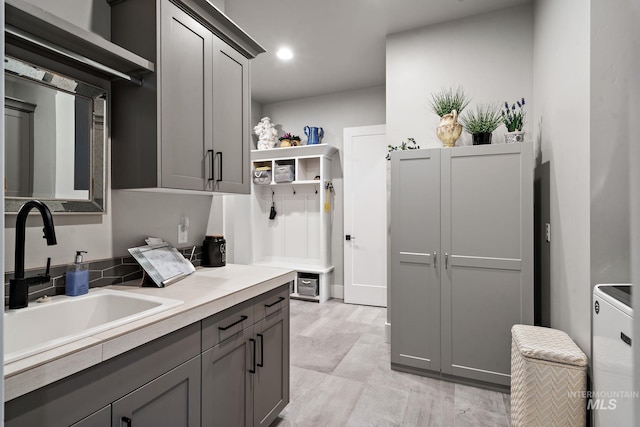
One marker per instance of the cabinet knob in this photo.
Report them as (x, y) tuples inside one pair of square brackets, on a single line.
[(349, 237)]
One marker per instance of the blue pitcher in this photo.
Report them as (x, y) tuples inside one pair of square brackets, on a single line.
[(314, 135)]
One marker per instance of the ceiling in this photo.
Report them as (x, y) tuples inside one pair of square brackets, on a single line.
[(338, 45)]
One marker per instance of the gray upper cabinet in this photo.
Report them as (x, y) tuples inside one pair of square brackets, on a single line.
[(462, 258), (187, 127), (231, 101), (186, 108)]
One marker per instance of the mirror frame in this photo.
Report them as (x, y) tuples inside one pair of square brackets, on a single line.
[(96, 203)]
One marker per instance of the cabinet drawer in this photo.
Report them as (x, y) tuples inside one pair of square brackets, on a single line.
[(270, 302), (226, 324)]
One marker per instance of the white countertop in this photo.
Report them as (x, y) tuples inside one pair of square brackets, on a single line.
[(206, 292)]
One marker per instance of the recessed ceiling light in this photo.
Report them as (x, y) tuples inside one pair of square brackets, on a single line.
[(284, 53)]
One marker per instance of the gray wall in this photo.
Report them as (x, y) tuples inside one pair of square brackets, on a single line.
[(128, 218), (333, 113), (91, 15), (139, 214), (634, 180), (610, 62), (87, 232), (489, 55), (582, 125), (560, 117)]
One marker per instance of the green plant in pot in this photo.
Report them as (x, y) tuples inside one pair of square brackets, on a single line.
[(481, 122), (448, 104), (514, 120)]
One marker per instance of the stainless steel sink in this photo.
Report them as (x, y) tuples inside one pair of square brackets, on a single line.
[(43, 326)]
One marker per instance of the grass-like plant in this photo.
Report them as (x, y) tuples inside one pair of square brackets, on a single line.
[(447, 100), (513, 119), (484, 119)]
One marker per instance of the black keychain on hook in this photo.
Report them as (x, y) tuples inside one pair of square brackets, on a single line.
[(273, 213)]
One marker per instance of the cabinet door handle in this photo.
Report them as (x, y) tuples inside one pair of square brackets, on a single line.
[(219, 156), (125, 421), (253, 370), (242, 319), (274, 303), (435, 260), (446, 260), (261, 364), (210, 152)]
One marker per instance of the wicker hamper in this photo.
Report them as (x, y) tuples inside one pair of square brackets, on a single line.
[(548, 378)]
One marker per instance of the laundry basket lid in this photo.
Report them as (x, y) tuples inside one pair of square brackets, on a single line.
[(535, 342)]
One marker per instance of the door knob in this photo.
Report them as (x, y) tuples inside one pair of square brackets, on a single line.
[(349, 237)]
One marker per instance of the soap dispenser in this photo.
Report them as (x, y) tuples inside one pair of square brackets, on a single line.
[(77, 278)]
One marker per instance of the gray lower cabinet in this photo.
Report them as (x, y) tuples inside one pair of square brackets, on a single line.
[(245, 377), (231, 369), (188, 126), (170, 400), (83, 397), (271, 379), (100, 418), (227, 394), (461, 258)]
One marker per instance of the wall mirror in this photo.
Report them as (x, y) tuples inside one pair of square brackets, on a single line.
[(54, 140)]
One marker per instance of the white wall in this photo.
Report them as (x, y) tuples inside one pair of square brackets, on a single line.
[(333, 113), (489, 55), (561, 123)]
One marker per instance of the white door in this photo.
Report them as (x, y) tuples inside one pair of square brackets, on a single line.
[(365, 215)]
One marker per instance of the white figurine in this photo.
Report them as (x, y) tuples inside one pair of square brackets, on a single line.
[(267, 134)]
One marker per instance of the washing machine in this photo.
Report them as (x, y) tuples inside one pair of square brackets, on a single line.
[(613, 397)]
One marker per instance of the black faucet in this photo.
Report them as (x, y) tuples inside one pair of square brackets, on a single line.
[(19, 285)]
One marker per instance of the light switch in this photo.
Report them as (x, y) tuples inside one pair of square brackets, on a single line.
[(183, 230), (547, 228)]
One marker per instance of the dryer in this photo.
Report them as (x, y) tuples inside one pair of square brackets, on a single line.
[(613, 398)]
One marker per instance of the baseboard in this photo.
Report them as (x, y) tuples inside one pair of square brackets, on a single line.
[(387, 332), (337, 291)]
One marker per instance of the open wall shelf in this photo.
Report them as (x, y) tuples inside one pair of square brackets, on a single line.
[(299, 236)]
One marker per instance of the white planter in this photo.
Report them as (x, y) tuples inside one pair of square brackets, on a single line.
[(516, 136)]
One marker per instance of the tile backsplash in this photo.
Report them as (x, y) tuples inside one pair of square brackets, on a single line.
[(101, 273)]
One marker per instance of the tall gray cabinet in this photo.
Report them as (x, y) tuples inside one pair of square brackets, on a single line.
[(461, 259), (188, 126)]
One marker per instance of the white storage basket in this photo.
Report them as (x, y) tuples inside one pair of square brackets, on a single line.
[(548, 378)]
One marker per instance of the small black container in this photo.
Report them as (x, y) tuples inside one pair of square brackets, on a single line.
[(214, 251), (481, 138)]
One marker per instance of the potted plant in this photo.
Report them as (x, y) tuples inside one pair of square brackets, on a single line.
[(448, 104), (481, 122), (403, 146), (289, 140), (514, 120)]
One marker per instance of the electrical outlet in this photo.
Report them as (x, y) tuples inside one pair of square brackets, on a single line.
[(183, 234), (547, 228)]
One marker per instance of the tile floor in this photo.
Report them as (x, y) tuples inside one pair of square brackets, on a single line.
[(341, 376)]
